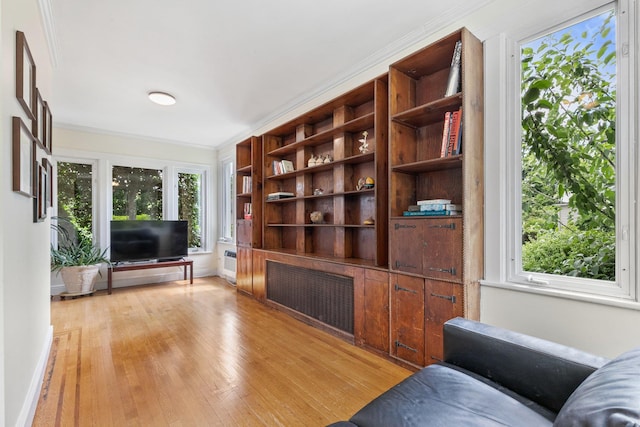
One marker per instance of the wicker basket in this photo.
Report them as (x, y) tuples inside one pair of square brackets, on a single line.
[(80, 279)]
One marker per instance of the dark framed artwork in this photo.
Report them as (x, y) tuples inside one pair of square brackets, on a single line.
[(47, 128), (40, 201), (23, 158), (49, 169), (25, 76), (38, 124)]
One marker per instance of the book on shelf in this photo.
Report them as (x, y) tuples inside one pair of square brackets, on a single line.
[(453, 83), (445, 134), (282, 166), (451, 133), (246, 184), (279, 195), (287, 166), (248, 213), (433, 202), (413, 208), (440, 207), (431, 213)]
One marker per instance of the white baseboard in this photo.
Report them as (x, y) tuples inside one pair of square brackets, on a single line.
[(28, 411)]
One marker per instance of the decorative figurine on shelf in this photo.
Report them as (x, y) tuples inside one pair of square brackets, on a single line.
[(316, 217), (327, 159), (369, 221), (318, 192), (364, 146), (365, 183), (312, 161)]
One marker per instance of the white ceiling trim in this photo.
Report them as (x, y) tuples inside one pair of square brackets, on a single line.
[(49, 30), (381, 56)]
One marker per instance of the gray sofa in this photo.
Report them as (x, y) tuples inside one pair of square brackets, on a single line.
[(495, 377)]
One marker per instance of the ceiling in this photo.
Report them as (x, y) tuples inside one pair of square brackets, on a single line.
[(232, 66)]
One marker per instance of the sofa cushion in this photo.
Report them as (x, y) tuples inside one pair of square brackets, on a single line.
[(440, 396), (608, 397)]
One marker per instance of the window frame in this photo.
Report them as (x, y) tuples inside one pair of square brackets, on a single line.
[(622, 288), (227, 200), (95, 223), (203, 201)]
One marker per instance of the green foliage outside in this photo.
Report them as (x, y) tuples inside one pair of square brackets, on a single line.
[(189, 206), (569, 153), (75, 197)]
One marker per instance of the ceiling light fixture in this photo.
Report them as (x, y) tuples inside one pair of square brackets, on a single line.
[(162, 98)]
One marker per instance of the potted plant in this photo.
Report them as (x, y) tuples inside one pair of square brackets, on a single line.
[(77, 258)]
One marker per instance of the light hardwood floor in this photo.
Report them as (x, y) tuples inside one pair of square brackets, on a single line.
[(199, 355)]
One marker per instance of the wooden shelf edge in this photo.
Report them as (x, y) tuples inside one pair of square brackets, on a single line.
[(440, 163), (324, 225), (366, 121)]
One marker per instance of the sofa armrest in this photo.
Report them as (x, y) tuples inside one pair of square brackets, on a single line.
[(540, 370)]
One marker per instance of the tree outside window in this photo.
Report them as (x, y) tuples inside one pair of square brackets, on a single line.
[(568, 152), (75, 196), (190, 205), (137, 193)]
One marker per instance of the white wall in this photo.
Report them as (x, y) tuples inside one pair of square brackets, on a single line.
[(25, 332), (110, 149)]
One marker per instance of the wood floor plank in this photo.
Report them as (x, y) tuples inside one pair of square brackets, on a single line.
[(192, 355)]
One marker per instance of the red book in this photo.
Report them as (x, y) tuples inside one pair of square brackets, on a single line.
[(454, 132)]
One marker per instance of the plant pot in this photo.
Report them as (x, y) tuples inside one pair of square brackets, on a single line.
[(80, 279)]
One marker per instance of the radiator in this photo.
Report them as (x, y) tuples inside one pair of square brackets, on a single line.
[(229, 266), (324, 296)]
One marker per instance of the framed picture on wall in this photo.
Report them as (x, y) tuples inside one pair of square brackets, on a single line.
[(49, 190), (23, 158), (40, 201), (48, 128), (25, 76), (37, 125)]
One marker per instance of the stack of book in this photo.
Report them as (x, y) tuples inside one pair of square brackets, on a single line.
[(246, 184), (433, 207), (282, 166), (248, 213), (452, 134)]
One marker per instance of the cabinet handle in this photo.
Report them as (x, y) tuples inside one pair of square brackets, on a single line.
[(399, 344), (451, 298), (401, 264), (400, 288), (451, 270), (398, 226), (451, 226)]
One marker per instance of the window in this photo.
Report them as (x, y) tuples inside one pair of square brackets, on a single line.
[(227, 217), (137, 193), (75, 196), (190, 206), (574, 130)]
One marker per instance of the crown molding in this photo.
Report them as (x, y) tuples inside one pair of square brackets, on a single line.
[(385, 56), (49, 30)]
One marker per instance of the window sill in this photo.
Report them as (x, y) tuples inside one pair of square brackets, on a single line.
[(628, 303)]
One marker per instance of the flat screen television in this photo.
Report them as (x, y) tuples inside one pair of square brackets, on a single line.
[(148, 240)]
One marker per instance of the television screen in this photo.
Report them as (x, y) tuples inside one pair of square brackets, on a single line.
[(148, 240)]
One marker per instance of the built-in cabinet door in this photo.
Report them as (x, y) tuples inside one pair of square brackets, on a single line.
[(442, 248), (406, 245), (244, 270), (407, 318), (444, 301), (375, 330)]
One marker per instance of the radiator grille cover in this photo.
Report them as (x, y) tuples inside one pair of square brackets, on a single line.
[(324, 296)]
